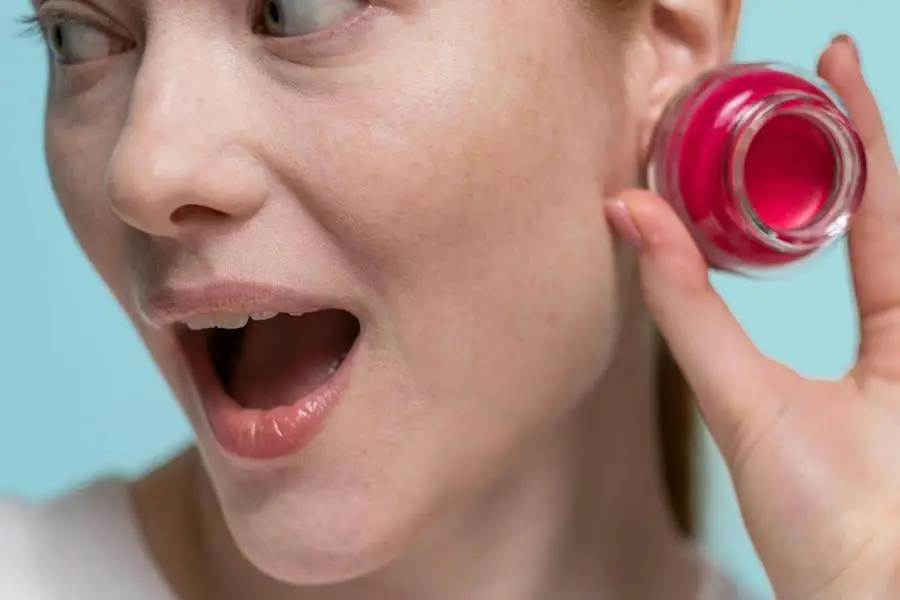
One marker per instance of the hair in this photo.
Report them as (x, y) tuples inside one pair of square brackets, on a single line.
[(676, 421)]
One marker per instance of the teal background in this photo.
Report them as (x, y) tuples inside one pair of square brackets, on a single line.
[(80, 396)]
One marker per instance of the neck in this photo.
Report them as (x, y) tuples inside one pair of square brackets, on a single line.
[(582, 514)]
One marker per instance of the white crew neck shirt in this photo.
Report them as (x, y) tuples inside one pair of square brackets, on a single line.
[(88, 545), (85, 545)]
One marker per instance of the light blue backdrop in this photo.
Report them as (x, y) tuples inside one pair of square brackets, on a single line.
[(79, 395)]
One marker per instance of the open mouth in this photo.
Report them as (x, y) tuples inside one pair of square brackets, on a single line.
[(267, 380), (267, 360)]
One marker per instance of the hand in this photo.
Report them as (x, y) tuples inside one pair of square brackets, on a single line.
[(816, 464)]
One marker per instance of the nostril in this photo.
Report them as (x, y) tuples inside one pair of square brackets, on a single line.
[(175, 187), (197, 213)]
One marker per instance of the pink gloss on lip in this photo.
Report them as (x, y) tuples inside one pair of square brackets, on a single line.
[(262, 434), (761, 164)]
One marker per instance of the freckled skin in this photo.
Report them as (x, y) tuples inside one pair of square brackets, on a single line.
[(443, 168)]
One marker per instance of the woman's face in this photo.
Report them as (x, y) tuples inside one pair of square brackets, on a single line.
[(433, 168)]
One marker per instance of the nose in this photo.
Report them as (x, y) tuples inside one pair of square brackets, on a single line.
[(182, 163), (167, 188)]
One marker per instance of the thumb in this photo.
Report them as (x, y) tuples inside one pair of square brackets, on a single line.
[(736, 386)]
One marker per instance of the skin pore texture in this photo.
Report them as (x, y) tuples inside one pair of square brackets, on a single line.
[(437, 167)]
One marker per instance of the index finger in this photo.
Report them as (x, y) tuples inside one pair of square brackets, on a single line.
[(874, 240)]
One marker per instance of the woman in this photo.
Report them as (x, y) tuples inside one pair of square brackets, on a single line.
[(457, 397)]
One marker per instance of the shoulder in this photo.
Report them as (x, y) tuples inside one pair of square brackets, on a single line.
[(84, 544), (716, 584), (722, 588), (18, 551)]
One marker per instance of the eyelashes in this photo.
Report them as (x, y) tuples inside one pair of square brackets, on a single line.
[(73, 39), (30, 26)]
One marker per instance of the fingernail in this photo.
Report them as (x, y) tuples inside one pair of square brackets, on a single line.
[(844, 38), (622, 221)]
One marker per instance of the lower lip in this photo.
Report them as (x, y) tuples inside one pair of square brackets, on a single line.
[(263, 434)]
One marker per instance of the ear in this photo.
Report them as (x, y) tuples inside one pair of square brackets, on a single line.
[(676, 41)]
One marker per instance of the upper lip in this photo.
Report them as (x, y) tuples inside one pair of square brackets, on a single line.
[(169, 306)]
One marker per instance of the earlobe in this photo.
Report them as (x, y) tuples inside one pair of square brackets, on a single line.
[(680, 39)]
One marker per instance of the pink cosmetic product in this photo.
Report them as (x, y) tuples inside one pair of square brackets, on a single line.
[(761, 163)]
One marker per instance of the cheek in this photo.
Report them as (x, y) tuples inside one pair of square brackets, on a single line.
[(461, 142), (77, 156), (472, 195), (83, 123), (460, 150), (79, 143)]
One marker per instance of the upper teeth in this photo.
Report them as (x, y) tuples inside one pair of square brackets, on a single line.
[(227, 320)]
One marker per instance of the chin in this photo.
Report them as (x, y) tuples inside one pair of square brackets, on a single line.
[(321, 539)]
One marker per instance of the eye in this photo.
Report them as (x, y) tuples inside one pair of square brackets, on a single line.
[(74, 42), (295, 18)]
